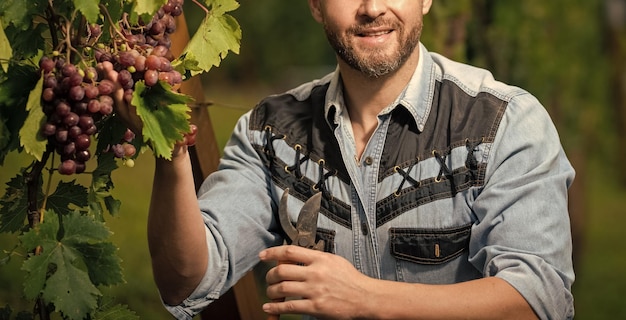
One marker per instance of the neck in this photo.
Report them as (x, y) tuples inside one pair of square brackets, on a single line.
[(366, 97)]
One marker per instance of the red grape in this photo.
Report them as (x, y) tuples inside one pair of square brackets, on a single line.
[(151, 77), (67, 167)]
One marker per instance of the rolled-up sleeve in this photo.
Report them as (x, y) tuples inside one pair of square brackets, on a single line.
[(523, 231), (237, 204)]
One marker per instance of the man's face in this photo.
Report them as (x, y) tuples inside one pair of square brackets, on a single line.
[(375, 37)]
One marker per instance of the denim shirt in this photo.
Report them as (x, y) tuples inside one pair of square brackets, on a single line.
[(464, 178)]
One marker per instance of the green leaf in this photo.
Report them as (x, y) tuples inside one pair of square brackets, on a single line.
[(164, 114), (31, 139), (101, 184), (113, 205), (6, 53), (14, 205), (63, 271), (43, 235), (149, 7), (111, 311), (89, 9), (217, 35), (103, 265), (219, 7), (5, 134), (26, 43), (67, 193), (19, 14), (14, 89)]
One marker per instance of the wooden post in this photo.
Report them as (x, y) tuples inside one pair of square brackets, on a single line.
[(241, 301)]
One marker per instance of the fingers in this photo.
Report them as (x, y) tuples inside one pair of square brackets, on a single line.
[(300, 306), (291, 253), (285, 272)]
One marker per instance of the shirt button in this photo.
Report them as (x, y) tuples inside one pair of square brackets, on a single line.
[(369, 161), (364, 228)]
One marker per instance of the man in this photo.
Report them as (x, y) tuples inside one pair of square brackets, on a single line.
[(444, 191)]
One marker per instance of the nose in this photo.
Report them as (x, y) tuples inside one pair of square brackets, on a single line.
[(372, 9)]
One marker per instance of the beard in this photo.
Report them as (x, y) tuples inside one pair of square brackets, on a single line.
[(374, 63)]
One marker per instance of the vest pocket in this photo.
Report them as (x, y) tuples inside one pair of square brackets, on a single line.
[(429, 246)]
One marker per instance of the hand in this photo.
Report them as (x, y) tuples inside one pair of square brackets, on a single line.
[(128, 113), (330, 287), (123, 108)]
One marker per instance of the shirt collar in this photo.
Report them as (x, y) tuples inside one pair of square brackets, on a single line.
[(416, 97)]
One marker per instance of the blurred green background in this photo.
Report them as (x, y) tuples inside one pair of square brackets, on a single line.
[(570, 54)]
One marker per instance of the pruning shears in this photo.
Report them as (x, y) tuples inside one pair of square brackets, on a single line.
[(304, 232)]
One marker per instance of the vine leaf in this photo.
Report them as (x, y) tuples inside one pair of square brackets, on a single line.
[(147, 6), (13, 98), (218, 34), (89, 9), (100, 189), (31, 139), (14, 205), (111, 311), (67, 193), (19, 14), (164, 114), (5, 49), (58, 273)]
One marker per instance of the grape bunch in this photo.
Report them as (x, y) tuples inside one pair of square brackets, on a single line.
[(77, 93), (73, 101), (144, 51)]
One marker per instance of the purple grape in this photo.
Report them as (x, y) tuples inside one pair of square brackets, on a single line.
[(106, 87), (69, 149), (62, 109), (67, 167), (71, 119), (61, 135), (48, 129), (83, 142), (85, 121), (46, 64), (83, 155), (125, 79), (48, 94), (126, 58), (77, 93), (151, 77), (74, 132), (118, 150)]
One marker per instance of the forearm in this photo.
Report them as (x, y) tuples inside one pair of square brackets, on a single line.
[(176, 233), (486, 298)]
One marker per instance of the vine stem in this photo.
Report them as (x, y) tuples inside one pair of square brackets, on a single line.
[(32, 182), (112, 23), (201, 6), (47, 193), (34, 215)]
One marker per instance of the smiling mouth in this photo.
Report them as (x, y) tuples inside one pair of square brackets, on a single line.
[(374, 33)]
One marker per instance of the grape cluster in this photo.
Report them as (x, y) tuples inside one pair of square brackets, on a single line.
[(144, 52), (73, 101), (76, 98)]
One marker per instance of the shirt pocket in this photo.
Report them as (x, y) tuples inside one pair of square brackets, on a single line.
[(429, 246), (328, 236)]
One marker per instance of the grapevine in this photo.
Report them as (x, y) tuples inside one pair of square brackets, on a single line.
[(57, 93)]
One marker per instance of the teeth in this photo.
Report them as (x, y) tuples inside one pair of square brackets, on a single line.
[(375, 34)]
